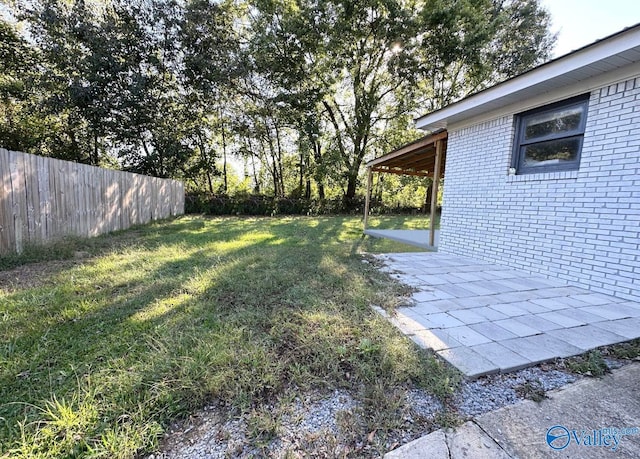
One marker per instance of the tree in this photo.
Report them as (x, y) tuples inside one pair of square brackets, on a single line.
[(211, 66), (76, 94), (285, 75), (305, 90), (111, 82), (476, 44), (19, 130), (348, 68)]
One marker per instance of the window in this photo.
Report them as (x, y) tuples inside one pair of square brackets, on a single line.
[(549, 138)]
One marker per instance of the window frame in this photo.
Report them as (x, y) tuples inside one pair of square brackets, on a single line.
[(520, 142)]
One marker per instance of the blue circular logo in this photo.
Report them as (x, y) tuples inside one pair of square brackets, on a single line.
[(558, 437)]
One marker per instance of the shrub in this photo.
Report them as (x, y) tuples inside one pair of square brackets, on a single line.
[(257, 204)]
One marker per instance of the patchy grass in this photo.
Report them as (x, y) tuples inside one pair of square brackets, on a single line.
[(100, 355), (595, 363), (531, 390), (624, 351), (591, 363)]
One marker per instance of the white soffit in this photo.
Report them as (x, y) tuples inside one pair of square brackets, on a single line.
[(617, 51)]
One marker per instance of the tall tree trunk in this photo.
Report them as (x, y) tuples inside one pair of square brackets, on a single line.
[(301, 172), (224, 154), (279, 157), (379, 187), (256, 187), (205, 159), (209, 181), (75, 150), (319, 179), (307, 189), (352, 183), (271, 167), (245, 168), (427, 198), (94, 159), (145, 148)]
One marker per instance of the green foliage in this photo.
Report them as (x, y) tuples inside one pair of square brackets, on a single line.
[(302, 93), (247, 204), (352, 71), (18, 129), (629, 350), (591, 364), (476, 44)]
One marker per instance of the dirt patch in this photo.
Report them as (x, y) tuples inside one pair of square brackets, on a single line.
[(34, 274)]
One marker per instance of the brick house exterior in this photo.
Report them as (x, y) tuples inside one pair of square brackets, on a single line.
[(581, 225)]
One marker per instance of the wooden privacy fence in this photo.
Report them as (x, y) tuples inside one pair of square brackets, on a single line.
[(42, 199)]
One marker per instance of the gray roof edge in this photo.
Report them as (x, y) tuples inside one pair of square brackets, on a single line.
[(599, 50)]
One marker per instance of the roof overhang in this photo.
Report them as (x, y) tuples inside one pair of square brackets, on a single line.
[(416, 158), (609, 54)]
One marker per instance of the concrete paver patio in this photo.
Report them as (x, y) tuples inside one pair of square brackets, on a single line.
[(484, 318), (417, 238)]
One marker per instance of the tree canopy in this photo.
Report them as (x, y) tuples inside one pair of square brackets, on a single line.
[(298, 94)]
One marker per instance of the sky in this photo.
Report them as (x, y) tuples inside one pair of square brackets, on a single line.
[(580, 22)]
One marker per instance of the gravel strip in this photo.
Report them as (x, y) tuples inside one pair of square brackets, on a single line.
[(320, 415), (493, 392), (208, 435), (311, 425)]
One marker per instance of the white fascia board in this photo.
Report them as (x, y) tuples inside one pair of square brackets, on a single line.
[(549, 97), (618, 43)]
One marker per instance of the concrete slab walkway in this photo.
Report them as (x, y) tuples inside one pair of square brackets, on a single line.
[(416, 238), (485, 318), (593, 418)]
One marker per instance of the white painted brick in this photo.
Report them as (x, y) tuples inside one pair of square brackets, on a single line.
[(581, 226)]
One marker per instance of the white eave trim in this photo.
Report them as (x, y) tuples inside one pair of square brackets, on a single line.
[(591, 54)]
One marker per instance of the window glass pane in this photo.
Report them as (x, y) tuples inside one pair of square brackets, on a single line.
[(552, 123), (553, 152)]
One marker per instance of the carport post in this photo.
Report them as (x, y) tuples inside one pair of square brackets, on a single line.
[(434, 192), (367, 197)]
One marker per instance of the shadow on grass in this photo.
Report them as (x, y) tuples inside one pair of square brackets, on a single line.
[(237, 310)]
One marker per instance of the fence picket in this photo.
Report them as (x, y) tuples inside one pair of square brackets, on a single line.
[(7, 223), (43, 199)]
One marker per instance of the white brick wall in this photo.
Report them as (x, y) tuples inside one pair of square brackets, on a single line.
[(582, 226)]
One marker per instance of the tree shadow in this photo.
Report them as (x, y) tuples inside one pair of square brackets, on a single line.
[(236, 309)]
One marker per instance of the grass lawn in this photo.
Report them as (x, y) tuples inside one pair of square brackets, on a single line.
[(99, 353)]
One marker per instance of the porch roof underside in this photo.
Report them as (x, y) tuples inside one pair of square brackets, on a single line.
[(416, 158)]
